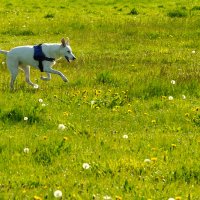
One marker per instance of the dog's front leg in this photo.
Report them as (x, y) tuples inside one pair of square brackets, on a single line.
[(53, 71), (48, 78)]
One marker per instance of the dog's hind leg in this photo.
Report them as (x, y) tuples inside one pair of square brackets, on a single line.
[(48, 78), (26, 70), (13, 68)]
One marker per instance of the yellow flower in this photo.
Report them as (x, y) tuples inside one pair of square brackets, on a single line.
[(173, 146), (97, 92), (65, 138), (45, 137), (37, 198), (65, 113), (187, 114), (118, 198), (177, 198), (154, 159), (130, 111), (153, 121)]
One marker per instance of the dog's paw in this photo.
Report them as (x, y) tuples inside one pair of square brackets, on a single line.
[(65, 79)]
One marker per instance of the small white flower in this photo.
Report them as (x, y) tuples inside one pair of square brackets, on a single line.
[(171, 98), (43, 105), (36, 86), (57, 194), (125, 136), (25, 118), (173, 82), (193, 52), (147, 160), (86, 166), (107, 197), (61, 127), (3, 63), (40, 100), (26, 150), (183, 97), (171, 198), (92, 102)]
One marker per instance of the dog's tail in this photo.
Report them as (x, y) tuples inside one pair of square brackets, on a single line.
[(3, 52)]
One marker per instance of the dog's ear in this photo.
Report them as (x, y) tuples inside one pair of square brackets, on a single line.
[(63, 42), (67, 41)]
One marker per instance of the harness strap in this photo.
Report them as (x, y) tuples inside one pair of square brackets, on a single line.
[(40, 56)]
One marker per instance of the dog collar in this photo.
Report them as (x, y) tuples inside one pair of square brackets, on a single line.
[(40, 56)]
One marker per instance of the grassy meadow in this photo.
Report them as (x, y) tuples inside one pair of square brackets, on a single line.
[(127, 124)]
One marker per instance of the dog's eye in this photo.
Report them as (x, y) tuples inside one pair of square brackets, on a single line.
[(68, 52)]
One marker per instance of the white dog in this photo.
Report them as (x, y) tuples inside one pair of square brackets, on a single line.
[(42, 57)]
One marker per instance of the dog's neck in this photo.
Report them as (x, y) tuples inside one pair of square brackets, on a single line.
[(53, 50)]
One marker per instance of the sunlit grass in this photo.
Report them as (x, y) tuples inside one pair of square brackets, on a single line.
[(126, 126)]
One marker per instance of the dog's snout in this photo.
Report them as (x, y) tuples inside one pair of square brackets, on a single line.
[(74, 58)]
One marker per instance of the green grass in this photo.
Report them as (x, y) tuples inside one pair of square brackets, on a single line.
[(116, 108)]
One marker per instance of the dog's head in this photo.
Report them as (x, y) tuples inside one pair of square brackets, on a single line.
[(66, 50)]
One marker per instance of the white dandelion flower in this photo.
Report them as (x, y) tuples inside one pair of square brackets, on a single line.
[(25, 118), (107, 197), (171, 98), (147, 160), (125, 136), (92, 102), (86, 166), (40, 100), (57, 194), (171, 198), (26, 150), (61, 127), (36, 86), (193, 52), (183, 97), (173, 82)]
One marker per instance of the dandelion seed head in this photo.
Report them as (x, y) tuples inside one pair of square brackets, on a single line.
[(171, 98), (171, 198), (86, 166), (147, 160), (107, 197), (26, 150), (57, 194), (173, 82), (40, 100), (193, 52), (125, 136), (183, 97), (25, 118), (61, 127), (36, 86)]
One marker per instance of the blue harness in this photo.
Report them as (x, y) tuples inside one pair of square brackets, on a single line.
[(40, 56)]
